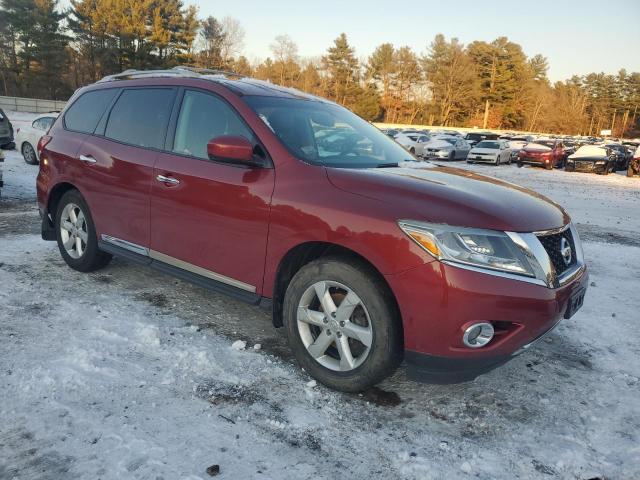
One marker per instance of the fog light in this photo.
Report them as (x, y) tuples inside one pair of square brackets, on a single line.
[(478, 335)]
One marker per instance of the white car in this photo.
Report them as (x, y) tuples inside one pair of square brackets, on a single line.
[(27, 138), (412, 141), (446, 147), (490, 151)]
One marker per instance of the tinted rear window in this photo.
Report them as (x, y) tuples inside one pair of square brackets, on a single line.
[(140, 117), (85, 113)]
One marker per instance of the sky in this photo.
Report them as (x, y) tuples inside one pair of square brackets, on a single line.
[(577, 36)]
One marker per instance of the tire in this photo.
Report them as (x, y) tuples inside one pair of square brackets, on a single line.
[(548, 167), (375, 313), (412, 150), (85, 259), (29, 154), (452, 156), (519, 164)]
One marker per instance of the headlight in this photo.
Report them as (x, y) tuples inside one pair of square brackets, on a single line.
[(488, 249)]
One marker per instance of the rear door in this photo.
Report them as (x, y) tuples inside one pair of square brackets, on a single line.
[(118, 164), (212, 217)]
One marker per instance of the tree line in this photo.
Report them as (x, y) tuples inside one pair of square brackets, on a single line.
[(48, 52)]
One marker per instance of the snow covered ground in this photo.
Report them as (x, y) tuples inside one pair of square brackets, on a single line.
[(127, 373)]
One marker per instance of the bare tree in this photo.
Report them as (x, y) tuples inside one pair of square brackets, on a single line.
[(233, 39)]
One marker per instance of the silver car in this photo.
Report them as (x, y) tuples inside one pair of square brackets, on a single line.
[(446, 147)]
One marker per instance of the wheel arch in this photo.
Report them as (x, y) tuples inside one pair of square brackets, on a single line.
[(56, 194), (304, 253)]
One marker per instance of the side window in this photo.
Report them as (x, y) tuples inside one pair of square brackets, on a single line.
[(204, 117), (140, 117), (37, 124), (85, 113)]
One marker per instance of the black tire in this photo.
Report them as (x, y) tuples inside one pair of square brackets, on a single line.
[(29, 154), (452, 156), (519, 164), (92, 258), (412, 150), (385, 353)]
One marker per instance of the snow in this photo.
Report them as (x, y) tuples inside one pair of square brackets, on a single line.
[(590, 151), (127, 373)]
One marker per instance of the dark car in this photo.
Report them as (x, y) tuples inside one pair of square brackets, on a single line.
[(547, 153), (473, 138), (363, 255), (623, 155), (592, 158), (6, 132)]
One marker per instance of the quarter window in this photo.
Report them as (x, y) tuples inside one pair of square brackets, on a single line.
[(140, 116), (85, 113), (202, 118)]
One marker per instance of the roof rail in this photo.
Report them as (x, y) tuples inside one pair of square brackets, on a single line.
[(209, 71), (179, 71)]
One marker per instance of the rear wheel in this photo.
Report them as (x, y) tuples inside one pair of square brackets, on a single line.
[(76, 234), (29, 154), (342, 324)]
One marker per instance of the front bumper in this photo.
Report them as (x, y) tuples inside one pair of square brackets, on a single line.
[(438, 302), (481, 159), (585, 166)]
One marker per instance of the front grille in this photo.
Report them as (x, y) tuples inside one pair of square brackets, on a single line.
[(552, 244), (585, 166)]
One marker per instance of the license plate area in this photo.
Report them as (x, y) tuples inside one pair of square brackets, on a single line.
[(575, 302)]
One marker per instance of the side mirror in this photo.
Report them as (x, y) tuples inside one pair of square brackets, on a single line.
[(234, 148)]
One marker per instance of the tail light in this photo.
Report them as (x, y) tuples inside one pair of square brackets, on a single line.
[(44, 140)]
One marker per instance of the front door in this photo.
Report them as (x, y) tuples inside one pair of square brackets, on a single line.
[(208, 217)]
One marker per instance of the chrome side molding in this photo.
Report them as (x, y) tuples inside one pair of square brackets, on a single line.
[(132, 247), (176, 262)]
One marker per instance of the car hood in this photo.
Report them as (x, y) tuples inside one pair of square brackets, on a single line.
[(439, 144), (536, 147), (440, 194)]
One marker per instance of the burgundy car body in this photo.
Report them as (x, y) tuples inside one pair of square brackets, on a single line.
[(252, 221), (532, 154)]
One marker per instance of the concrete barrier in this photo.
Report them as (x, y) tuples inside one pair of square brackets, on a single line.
[(31, 105)]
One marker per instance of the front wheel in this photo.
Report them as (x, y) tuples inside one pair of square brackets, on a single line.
[(76, 234), (342, 324)]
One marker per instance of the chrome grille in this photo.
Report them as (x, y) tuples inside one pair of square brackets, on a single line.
[(552, 245)]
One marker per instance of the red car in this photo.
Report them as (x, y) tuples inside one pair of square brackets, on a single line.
[(547, 153), (365, 256)]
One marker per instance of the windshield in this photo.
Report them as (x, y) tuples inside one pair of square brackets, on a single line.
[(546, 143), (487, 144), (326, 134)]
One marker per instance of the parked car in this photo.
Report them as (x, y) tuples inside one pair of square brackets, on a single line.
[(6, 132), (623, 156), (592, 158), (490, 151), (1, 162), (413, 142), (27, 138), (543, 152), (445, 147), (474, 137), (634, 164), (364, 259)]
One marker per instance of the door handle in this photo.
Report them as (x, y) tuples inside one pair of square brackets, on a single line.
[(87, 159), (165, 179)]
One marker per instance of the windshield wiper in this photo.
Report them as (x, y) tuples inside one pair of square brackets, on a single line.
[(387, 165)]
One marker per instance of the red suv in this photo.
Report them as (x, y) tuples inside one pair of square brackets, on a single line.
[(547, 153), (365, 256)]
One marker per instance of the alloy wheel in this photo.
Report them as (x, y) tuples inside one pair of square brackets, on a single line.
[(334, 326), (73, 230), (29, 154)]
